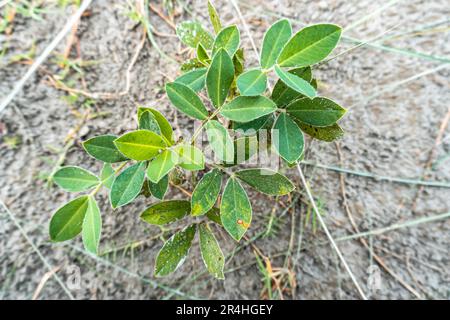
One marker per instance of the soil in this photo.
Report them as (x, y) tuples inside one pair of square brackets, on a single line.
[(390, 134)]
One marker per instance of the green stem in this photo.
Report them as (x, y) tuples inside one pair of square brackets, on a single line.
[(99, 186), (197, 132)]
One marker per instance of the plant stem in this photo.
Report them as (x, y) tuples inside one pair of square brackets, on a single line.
[(327, 232), (197, 132)]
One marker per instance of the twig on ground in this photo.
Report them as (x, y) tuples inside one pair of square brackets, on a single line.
[(432, 155), (328, 234), (437, 184), (44, 280), (189, 194), (363, 241), (68, 26), (162, 16), (36, 249), (70, 41)]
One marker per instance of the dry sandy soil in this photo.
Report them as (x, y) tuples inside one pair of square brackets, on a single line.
[(397, 100)]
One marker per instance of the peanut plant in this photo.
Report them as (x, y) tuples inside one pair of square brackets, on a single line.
[(233, 104)]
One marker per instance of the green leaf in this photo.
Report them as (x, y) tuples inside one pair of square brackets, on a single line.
[(190, 157), (191, 64), (229, 39), (164, 125), (67, 221), (274, 40), (220, 140), (194, 79), (147, 121), (174, 251), (92, 226), (127, 185), (252, 127), (219, 78), (75, 179), (214, 215), (287, 138), (318, 112), (161, 166), (159, 189), (328, 134), (245, 109), (266, 181), (206, 192), (283, 95), (252, 83), (245, 148), (211, 253), (310, 45), (235, 209), (140, 144), (202, 55), (214, 17), (192, 33), (239, 62), (145, 191), (103, 148), (107, 175), (166, 212), (186, 100), (296, 83)]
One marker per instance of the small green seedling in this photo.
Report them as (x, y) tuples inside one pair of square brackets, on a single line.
[(230, 101)]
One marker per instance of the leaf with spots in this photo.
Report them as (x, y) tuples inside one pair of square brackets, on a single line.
[(161, 165), (266, 181), (164, 125), (229, 39), (127, 185), (327, 134), (75, 179), (220, 141), (244, 149), (166, 212), (287, 138), (296, 83), (252, 83), (235, 209), (192, 33), (214, 18), (245, 109), (140, 144), (318, 112), (191, 64), (283, 95), (159, 189), (310, 45), (147, 121), (189, 157), (107, 175), (174, 252), (214, 215), (202, 55), (211, 253), (194, 79), (103, 148), (252, 127), (219, 78), (274, 40), (206, 192), (92, 226), (186, 100)]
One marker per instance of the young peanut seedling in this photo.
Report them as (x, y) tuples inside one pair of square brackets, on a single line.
[(240, 102)]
